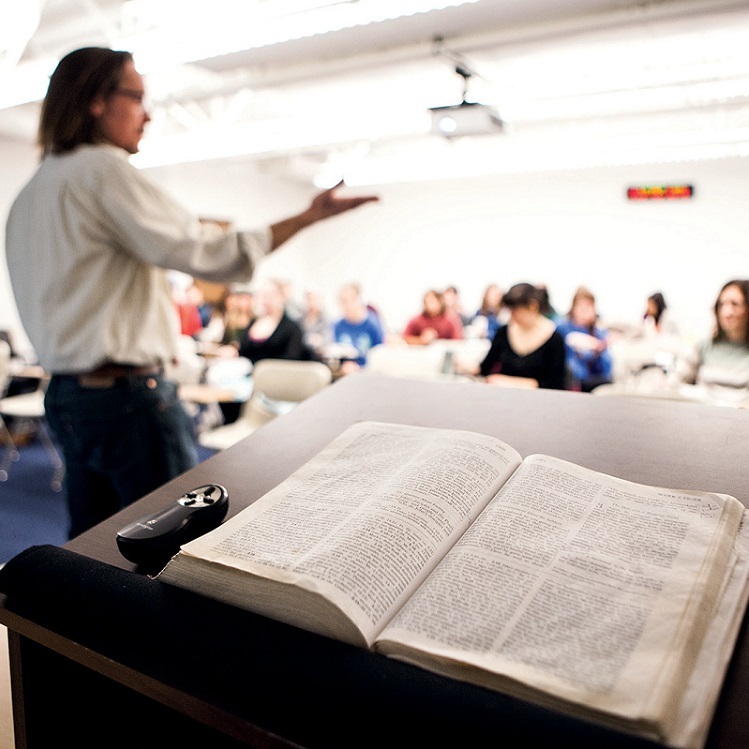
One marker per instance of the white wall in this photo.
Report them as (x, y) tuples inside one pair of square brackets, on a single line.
[(563, 229)]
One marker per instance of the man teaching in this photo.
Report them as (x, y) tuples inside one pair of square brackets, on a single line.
[(89, 243)]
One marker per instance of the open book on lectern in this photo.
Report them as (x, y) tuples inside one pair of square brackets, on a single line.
[(542, 579)]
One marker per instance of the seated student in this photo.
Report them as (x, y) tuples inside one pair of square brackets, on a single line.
[(721, 362), (314, 322), (272, 334), (488, 314), (451, 297), (528, 351), (433, 322), (239, 309), (589, 360), (185, 297), (293, 308), (656, 319), (358, 328), (231, 317)]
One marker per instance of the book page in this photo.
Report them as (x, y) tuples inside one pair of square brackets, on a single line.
[(589, 589), (360, 525)]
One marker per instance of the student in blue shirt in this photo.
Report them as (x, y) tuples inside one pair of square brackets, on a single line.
[(589, 360), (357, 328)]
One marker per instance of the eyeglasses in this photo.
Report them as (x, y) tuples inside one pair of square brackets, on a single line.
[(137, 96)]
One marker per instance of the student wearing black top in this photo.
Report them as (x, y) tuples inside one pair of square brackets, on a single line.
[(272, 334), (527, 351)]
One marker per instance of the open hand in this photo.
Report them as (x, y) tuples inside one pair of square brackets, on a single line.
[(324, 205), (327, 203)]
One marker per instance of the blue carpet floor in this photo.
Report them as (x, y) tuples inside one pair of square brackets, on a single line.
[(31, 512)]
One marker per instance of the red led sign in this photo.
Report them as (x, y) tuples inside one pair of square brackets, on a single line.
[(660, 192)]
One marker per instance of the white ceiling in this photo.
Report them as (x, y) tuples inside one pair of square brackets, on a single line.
[(576, 82)]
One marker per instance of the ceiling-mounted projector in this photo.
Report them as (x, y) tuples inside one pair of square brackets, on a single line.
[(466, 118)]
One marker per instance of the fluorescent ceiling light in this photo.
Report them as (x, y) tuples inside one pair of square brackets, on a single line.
[(169, 33), (164, 34)]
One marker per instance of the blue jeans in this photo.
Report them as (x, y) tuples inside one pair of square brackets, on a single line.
[(119, 441)]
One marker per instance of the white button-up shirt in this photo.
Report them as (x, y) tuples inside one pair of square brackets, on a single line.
[(89, 241)]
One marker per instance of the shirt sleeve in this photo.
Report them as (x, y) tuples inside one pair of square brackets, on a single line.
[(377, 335), (150, 225)]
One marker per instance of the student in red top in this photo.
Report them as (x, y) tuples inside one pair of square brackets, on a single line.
[(435, 321)]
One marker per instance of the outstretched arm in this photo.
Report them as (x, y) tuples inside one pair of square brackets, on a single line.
[(324, 205)]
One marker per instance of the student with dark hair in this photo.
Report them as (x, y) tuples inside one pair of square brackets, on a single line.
[(721, 362), (527, 351), (89, 241), (656, 318), (655, 307)]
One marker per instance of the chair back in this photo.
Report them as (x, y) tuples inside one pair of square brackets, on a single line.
[(405, 360), (287, 380), (278, 386)]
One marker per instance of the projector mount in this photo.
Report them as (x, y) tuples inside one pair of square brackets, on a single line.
[(461, 67)]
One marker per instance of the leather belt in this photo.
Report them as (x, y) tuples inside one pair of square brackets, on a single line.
[(110, 369), (107, 374)]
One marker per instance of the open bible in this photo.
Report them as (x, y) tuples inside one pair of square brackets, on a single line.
[(605, 599)]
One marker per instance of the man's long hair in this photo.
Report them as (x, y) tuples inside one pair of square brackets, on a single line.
[(82, 75)]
